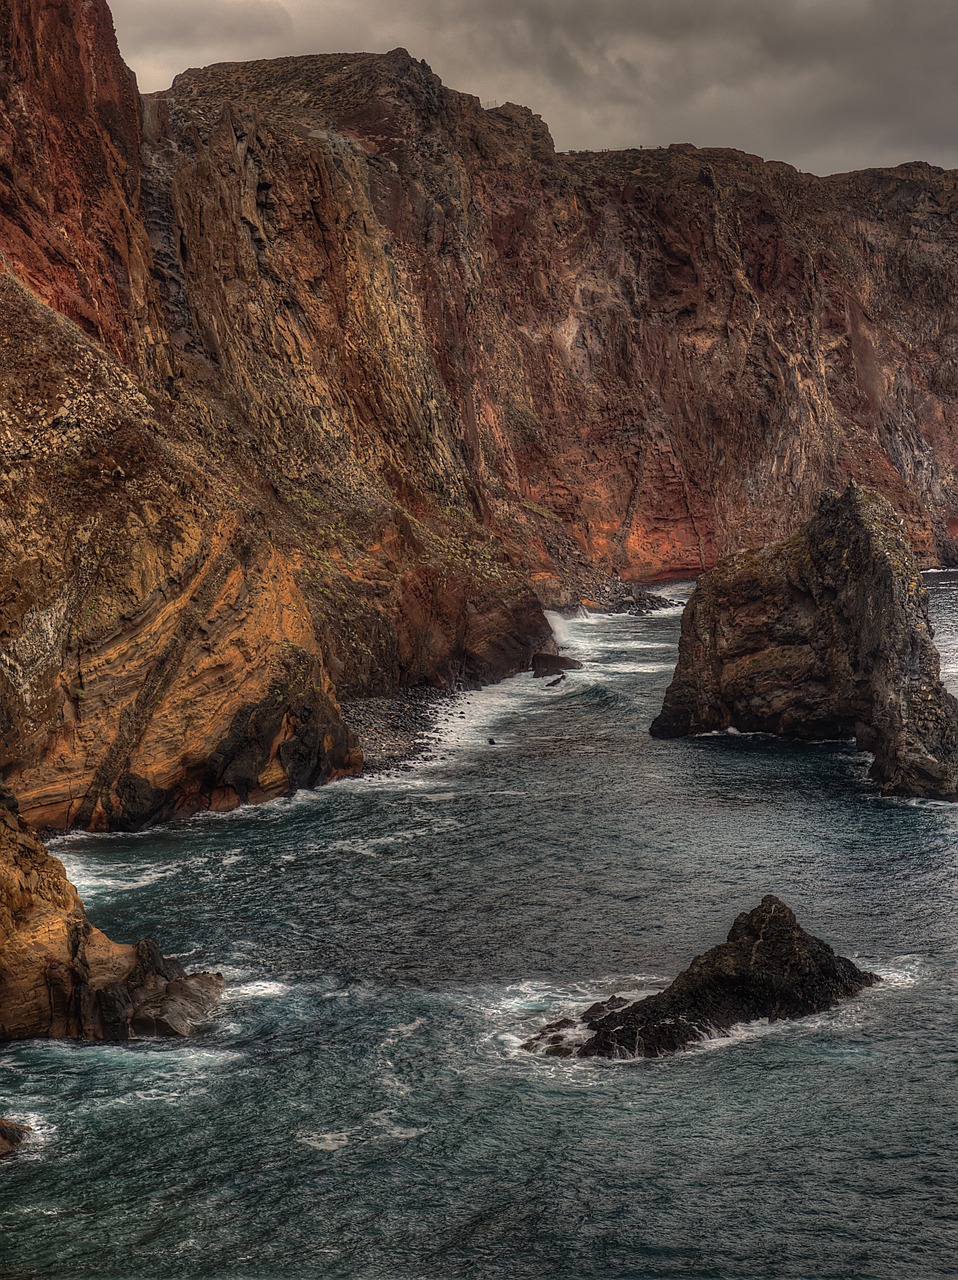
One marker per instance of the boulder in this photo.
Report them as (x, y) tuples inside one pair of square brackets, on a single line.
[(769, 968), (823, 636)]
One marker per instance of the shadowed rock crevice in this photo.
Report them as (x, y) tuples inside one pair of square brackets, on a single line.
[(768, 968), (823, 636)]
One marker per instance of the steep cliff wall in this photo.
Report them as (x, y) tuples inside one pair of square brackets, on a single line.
[(316, 377), (70, 169)]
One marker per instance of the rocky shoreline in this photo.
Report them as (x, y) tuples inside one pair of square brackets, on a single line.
[(399, 728), (396, 729)]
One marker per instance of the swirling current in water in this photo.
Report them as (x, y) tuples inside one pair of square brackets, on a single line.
[(361, 1108)]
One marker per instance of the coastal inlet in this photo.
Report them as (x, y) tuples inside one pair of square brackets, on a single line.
[(362, 1107)]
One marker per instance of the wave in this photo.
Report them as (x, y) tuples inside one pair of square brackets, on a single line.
[(95, 880)]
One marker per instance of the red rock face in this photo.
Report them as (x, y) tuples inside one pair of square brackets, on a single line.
[(317, 377), (669, 352), (70, 168)]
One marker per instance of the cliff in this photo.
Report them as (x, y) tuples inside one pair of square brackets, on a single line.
[(60, 977), (319, 380), (823, 636)]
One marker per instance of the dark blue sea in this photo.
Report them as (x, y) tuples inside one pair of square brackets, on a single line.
[(361, 1107)]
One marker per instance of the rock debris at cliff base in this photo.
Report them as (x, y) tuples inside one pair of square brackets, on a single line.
[(395, 730)]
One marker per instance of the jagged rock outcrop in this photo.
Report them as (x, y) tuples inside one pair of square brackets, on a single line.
[(768, 968), (60, 977), (319, 380), (823, 636)]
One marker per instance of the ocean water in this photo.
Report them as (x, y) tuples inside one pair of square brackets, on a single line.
[(361, 1106)]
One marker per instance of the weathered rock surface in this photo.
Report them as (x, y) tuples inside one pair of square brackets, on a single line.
[(61, 977), (768, 968), (319, 380), (823, 636), (11, 1135)]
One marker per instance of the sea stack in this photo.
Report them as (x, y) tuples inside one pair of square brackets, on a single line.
[(769, 968), (825, 635)]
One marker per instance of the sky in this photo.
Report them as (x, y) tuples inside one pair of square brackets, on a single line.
[(828, 85)]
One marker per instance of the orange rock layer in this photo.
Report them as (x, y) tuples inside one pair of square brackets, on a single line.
[(61, 977)]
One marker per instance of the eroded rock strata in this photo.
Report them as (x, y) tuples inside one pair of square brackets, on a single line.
[(825, 635), (768, 968), (318, 380), (61, 977)]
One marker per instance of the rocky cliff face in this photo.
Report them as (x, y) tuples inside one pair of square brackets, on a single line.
[(823, 636), (316, 378), (60, 977)]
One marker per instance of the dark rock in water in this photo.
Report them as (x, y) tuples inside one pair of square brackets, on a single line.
[(769, 968), (823, 636), (182, 1006), (558, 680), (157, 997), (644, 602), (11, 1135), (551, 664)]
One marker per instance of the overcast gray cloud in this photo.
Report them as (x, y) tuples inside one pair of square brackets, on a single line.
[(824, 84)]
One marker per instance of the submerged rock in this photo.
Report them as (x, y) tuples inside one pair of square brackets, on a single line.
[(62, 978), (823, 636), (552, 664), (11, 1135), (769, 968)]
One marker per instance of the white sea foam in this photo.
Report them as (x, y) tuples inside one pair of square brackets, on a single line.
[(95, 880), (396, 1131), (403, 1029), (636, 668), (900, 971), (261, 989), (741, 1033), (562, 625)]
